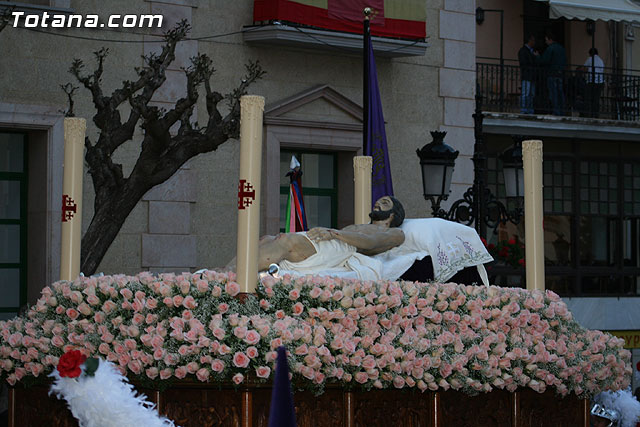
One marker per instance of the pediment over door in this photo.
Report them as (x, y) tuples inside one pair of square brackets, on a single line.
[(319, 119), (319, 106)]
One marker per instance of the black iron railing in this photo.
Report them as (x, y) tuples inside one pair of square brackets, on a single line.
[(578, 91)]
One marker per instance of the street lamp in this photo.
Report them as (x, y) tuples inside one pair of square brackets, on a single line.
[(478, 205), (513, 170), (437, 160)]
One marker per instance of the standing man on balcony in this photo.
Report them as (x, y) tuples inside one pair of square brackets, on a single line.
[(554, 59), (594, 69), (527, 60)]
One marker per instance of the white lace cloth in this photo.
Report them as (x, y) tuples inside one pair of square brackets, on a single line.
[(452, 247)]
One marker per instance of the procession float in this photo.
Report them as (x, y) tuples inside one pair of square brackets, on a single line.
[(201, 346)]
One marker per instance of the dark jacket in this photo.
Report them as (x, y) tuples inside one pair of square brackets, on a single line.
[(527, 63), (555, 58)]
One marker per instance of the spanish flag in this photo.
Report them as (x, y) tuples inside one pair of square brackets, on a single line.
[(394, 18)]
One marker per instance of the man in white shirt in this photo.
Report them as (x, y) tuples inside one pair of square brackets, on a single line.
[(594, 71)]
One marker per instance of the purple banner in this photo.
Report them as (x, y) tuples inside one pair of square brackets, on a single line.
[(376, 143)]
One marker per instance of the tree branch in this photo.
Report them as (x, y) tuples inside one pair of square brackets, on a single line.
[(164, 149), (69, 89), (5, 17)]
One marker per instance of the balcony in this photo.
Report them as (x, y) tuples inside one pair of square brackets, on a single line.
[(614, 96)]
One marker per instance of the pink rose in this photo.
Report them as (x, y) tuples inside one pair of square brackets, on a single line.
[(15, 339), (252, 352), (217, 365), (223, 308), (232, 288), (192, 367), (166, 373), (218, 333), (104, 348), (398, 382), (99, 317), (202, 374), (158, 354), (184, 286), (263, 371), (240, 360), (240, 331), (202, 286), (109, 306), (216, 291), (177, 300), (297, 309), (294, 294), (72, 313), (181, 372), (238, 378), (170, 359), (135, 366), (252, 337), (137, 319), (362, 377), (126, 293), (93, 300), (315, 292), (189, 302), (152, 372)]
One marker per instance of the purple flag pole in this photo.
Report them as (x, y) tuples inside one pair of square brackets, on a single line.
[(374, 135), (282, 413)]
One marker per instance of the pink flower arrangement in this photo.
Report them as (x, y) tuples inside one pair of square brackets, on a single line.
[(375, 335)]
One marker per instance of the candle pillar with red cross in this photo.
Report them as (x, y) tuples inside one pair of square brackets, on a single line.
[(251, 111), (74, 132)]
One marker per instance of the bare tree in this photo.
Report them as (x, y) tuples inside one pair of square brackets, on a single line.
[(5, 17), (161, 152)]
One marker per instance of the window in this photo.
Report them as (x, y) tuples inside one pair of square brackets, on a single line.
[(591, 199), (13, 223), (319, 186)]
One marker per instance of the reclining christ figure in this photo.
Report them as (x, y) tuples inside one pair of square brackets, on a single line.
[(379, 250), (327, 248)]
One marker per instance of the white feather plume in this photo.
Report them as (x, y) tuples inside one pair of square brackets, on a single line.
[(106, 400), (623, 402)]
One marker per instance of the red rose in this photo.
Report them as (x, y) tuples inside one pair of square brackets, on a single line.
[(70, 362), (521, 261), (512, 241), (491, 246)]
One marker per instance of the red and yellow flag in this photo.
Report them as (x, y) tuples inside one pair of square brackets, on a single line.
[(392, 18)]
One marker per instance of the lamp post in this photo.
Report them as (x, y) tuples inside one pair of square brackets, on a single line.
[(437, 160), (478, 205), (479, 20)]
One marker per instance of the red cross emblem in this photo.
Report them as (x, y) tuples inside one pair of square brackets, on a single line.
[(246, 194), (68, 208)]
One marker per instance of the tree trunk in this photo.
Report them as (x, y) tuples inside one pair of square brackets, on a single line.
[(107, 220)]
